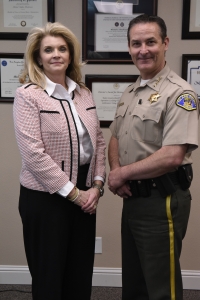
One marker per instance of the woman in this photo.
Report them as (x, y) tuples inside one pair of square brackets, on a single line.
[(63, 165)]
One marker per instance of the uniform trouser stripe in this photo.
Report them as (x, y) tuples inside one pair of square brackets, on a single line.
[(171, 240)]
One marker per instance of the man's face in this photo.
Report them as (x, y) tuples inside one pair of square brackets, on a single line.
[(147, 49)]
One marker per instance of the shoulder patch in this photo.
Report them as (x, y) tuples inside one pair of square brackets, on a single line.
[(187, 101)]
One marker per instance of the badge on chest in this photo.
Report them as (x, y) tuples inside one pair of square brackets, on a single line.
[(154, 98)]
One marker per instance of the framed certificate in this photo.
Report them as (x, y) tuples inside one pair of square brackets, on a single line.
[(107, 91), (105, 24), (11, 65), (191, 19), (17, 17), (191, 71)]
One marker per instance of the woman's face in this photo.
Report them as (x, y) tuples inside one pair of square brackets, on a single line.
[(54, 56)]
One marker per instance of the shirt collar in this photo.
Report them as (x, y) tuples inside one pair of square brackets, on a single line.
[(51, 86), (156, 81)]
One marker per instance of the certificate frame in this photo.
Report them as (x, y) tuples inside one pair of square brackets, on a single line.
[(13, 56), (194, 61), (190, 30), (88, 33), (91, 79), (17, 35)]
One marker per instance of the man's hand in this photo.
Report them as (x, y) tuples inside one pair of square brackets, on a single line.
[(115, 180), (124, 191)]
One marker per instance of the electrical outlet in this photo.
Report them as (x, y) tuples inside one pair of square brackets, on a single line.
[(98, 245)]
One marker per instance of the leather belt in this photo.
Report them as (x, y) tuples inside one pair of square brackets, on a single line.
[(165, 184)]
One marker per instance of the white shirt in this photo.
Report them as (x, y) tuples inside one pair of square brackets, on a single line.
[(86, 150), (143, 81)]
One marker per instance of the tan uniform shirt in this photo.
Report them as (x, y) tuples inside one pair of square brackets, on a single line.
[(162, 112)]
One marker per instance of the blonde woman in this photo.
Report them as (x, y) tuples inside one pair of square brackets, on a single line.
[(63, 165)]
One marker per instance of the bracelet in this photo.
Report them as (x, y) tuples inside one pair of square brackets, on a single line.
[(75, 196)]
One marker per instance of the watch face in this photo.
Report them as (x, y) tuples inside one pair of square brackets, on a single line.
[(102, 191)]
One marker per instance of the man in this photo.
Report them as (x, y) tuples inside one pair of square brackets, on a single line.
[(153, 135)]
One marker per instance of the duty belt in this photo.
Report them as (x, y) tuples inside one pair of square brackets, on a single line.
[(166, 184)]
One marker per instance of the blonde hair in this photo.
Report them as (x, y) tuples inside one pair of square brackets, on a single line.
[(32, 71)]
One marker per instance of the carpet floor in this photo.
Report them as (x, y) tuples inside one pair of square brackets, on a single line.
[(23, 292)]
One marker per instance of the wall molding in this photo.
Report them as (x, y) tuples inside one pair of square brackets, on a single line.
[(102, 277)]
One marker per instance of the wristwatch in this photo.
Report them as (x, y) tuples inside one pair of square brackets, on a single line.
[(101, 189)]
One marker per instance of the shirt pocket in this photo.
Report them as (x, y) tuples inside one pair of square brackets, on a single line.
[(121, 111), (120, 120), (146, 124), (50, 121)]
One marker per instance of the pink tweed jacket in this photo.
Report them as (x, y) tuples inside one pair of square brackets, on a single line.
[(47, 137)]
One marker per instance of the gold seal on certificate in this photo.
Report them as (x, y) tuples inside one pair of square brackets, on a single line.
[(23, 23), (116, 86)]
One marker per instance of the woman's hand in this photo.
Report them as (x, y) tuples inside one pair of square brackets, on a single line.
[(88, 200), (91, 205), (82, 198)]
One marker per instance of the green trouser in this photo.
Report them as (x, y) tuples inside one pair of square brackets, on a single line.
[(152, 232)]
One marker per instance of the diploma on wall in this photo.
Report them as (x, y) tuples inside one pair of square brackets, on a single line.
[(105, 24), (19, 14), (10, 70), (107, 96), (111, 32), (18, 17), (193, 75), (107, 91)]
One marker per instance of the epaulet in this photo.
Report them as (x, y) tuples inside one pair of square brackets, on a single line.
[(175, 78), (132, 88)]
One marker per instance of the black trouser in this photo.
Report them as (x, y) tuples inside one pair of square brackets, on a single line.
[(59, 242), (152, 233)]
